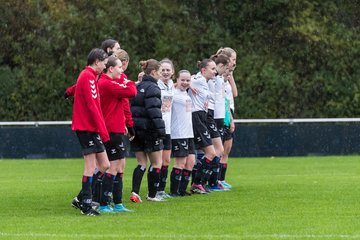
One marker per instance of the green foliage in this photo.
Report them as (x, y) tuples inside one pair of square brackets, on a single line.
[(295, 58)]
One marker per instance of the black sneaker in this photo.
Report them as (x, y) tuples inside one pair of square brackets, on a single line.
[(89, 211), (76, 203), (207, 188), (197, 188), (173, 195), (95, 205)]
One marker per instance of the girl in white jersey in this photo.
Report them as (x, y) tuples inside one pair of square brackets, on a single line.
[(216, 115), (166, 86), (181, 136), (230, 93), (202, 137)]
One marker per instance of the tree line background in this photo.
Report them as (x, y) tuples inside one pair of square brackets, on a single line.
[(296, 58)]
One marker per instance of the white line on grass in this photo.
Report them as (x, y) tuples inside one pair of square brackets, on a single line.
[(314, 175), (184, 236), (310, 236)]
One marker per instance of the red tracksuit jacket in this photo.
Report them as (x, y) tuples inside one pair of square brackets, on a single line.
[(87, 114), (126, 104), (113, 95)]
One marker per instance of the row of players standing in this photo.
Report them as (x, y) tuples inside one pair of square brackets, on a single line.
[(149, 130), (208, 104)]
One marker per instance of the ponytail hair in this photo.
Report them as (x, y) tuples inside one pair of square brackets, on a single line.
[(220, 58), (226, 51), (203, 64), (147, 66)]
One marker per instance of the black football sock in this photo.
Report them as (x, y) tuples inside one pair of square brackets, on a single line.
[(193, 173), (199, 155), (197, 166), (185, 178), (213, 166), (118, 188), (163, 177), (202, 171), (97, 187), (107, 187), (153, 181), (96, 175), (214, 176), (175, 179), (86, 191), (137, 178), (223, 171)]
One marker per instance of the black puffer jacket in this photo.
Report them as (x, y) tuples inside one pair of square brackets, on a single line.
[(146, 109)]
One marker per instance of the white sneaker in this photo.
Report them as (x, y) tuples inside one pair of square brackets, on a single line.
[(225, 184), (155, 199), (162, 195)]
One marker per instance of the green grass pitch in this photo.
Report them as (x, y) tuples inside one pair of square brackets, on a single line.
[(272, 198)]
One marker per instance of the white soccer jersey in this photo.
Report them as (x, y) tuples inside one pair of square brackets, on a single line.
[(166, 98), (181, 116), (229, 95), (219, 110), (212, 93), (200, 99)]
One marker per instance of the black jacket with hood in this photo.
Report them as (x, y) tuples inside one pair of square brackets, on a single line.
[(146, 109)]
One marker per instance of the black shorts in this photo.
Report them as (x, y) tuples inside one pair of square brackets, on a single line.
[(220, 126), (145, 143), (116, 147), (90, 142), (211, 125), (227, 135), (127, 146), (201, 134), (191, 146), (167, 142), (182, 147)]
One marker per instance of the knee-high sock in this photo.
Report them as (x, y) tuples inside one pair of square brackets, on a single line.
[(86, 191), (107, 188), (137, 178), (193, 173), (153, 181), (199, 159), (206, 169), (223, 171), (215, 174), (202, 168), (118, 188), (185, 178), (97, 186), (163, 177), (175, 179)]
